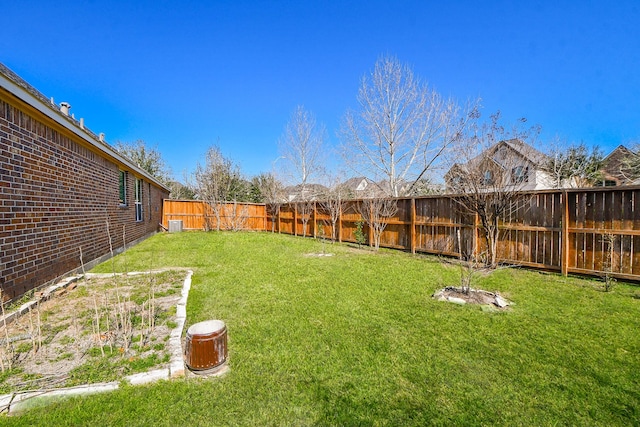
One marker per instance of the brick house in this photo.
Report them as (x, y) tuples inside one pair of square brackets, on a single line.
[(63, 191)]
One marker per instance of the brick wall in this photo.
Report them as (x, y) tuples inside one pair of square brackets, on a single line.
[(57, 194)]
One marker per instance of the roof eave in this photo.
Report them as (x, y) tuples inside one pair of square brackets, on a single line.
[(16, 86)]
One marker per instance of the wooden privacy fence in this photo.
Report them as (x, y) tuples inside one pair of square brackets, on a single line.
[(586, 231), (199, 215)]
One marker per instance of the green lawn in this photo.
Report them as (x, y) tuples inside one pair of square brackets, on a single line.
[(355, 339)]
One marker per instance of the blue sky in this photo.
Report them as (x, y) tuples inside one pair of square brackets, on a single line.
[(185, 75)]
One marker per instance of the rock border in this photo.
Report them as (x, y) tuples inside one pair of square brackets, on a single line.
[(319, 255), (20, 401), (491, 298)]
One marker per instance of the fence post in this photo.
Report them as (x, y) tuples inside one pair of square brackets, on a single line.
[(295, 219), (165, 219), (340, 222), (413, 226), (266, 219), (278, 214), (315, 218), (476, 242), (203, 207), (369, 226), (564, 247)]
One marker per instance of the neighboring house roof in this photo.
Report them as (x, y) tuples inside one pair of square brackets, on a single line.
[(357, 184), (526, 151), (19, 88), (523, 150), (363, 187), (425, 187), (308, 192), (501, 155), (383, 188), (613, 166)]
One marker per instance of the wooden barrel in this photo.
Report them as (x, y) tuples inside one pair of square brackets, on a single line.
[(206, 345)]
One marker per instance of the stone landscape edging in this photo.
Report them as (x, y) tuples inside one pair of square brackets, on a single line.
[(22, 400)]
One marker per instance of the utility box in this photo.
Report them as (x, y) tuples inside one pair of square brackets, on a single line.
[(175, 225)]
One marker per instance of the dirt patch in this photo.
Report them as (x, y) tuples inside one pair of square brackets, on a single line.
[(100, 328), (472, 296)]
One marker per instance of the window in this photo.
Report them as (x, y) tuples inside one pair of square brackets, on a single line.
[(456, 182), (519, 174), (122, 183), (606, 183), (487, 179), (138, 202)]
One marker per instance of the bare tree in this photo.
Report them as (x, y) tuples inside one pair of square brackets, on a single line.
[(492, 169), (376, 212), (609, 265), (401, 130), (185, 189), (273, 210), (265, 187), (217, 181), (333, 202), (301, 148), (181, 191), (271, 192), (573, 166), (236, 215), (304, 210)]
